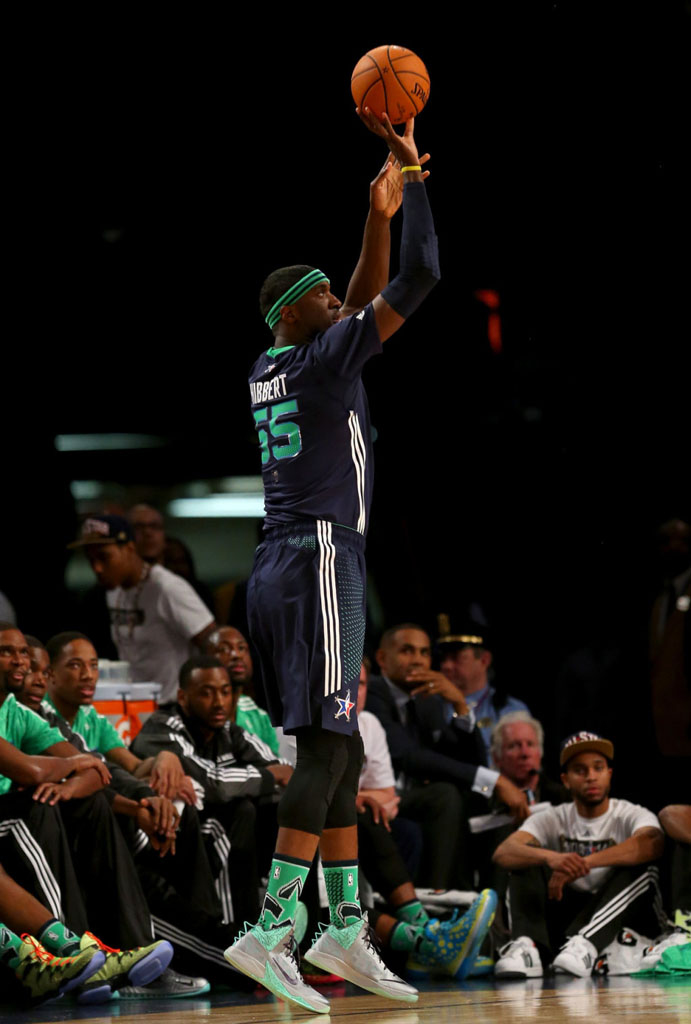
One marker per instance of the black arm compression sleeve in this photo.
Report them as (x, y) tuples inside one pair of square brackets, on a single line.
[(419, 263)]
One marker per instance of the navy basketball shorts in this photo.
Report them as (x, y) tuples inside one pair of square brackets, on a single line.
[(306, 614)]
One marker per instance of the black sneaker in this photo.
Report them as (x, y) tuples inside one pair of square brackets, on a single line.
[(169, 985)]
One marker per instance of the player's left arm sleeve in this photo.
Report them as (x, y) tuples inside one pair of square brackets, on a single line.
[(419, 263)]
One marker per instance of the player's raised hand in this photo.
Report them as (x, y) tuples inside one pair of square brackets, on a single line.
[(386, 191), (403, 147)]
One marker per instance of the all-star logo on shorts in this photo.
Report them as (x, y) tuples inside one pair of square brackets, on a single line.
[(345, 706)]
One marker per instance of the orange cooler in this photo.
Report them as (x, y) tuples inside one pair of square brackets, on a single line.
[(126, 705)]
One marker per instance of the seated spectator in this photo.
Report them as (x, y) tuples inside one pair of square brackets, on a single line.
[(378, 801), (72, 678), (465, 660), (437, 759), (180, 889), (229, 768), (517, 748), (579, 871), (156, 617), (232, 650), (433, 947), (149, 532), (103, 874), (132, 797)]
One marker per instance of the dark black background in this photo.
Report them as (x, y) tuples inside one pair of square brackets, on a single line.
[(220, 146)]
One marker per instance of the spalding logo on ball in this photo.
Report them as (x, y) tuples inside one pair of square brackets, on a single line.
[(390, 79)]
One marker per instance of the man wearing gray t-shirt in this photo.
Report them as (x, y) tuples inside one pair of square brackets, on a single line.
[(579, 871), (157, 620)]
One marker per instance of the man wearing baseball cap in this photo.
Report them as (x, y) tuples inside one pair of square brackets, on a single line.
[(156, 618), (580, 871), (465, 658)]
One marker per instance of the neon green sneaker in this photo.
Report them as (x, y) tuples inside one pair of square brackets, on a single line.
[(353, 953), (122, 967), (682, 919), (272, 959), (44, 976)]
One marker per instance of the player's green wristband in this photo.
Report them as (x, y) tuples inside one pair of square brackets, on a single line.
[(413, 167)]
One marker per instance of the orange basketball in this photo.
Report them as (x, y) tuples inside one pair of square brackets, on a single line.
[(390, 79)]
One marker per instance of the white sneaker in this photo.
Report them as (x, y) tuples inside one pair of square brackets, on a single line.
[(577, 956), (519, 959), (352, 953), (272, 959), (653, 954)]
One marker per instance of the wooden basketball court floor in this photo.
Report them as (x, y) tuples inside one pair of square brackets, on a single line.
[(554, 1000)]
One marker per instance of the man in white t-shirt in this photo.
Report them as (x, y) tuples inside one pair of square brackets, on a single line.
[(580, 871), (156, 618)]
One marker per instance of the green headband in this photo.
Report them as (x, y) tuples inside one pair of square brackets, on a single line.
[(295, 292)]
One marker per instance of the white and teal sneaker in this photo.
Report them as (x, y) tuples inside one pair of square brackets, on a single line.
[(451, 947), (352, 953), (272, 959)]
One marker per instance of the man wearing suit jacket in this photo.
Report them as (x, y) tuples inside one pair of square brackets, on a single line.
[(435, 760)]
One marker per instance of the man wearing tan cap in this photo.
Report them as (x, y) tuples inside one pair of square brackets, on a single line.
[(580, 871), (156, 618)]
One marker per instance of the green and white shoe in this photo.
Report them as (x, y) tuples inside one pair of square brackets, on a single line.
[(272, 959), (352, 953)]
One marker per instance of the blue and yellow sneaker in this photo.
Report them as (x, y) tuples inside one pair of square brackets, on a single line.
[(483, 965), (451, 947)]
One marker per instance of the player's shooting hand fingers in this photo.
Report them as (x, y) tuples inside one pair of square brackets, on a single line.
[(369, 120)]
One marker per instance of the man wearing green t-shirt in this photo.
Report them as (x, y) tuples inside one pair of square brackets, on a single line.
[(180, 889), (71, 686), (33, 841)]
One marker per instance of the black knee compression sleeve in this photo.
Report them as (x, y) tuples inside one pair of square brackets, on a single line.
[(322, 760), (342, 813)]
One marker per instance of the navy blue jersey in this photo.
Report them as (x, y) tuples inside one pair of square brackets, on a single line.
[(310, 410)]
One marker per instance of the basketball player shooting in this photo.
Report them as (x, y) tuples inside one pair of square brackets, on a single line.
[(306, 595)]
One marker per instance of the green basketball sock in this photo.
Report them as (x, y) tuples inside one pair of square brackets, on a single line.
[(342, 890), (10, 945), (413, 912), (286, 880), (406, 936), (58, 939)]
